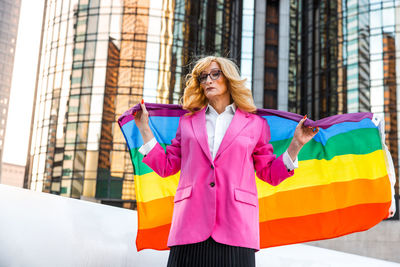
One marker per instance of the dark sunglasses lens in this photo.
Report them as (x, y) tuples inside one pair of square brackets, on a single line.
[(215, 74), (202, 78)]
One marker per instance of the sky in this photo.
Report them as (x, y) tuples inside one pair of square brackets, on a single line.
[(23, 82)]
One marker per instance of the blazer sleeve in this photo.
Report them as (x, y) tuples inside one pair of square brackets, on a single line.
[(268, 167), (166, 163)]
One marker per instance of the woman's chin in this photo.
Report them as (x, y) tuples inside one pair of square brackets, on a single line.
[(210, 96)]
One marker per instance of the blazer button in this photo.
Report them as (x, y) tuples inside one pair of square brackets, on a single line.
[(212, 184), (212, 167)]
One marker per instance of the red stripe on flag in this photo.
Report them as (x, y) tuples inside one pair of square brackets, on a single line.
[(154, 238), (309, 228)]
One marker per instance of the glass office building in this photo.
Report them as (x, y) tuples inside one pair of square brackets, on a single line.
[(99, 58), (329, 57), (9, 17)]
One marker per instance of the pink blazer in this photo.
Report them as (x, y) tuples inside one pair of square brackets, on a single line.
[(218, 198)]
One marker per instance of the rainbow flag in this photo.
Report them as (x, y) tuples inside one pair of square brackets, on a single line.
[(342, 184)]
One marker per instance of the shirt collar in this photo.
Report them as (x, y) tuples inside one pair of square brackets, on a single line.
[(232, 108)]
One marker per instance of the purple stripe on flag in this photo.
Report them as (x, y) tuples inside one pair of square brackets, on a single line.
[(322, 123), (349, 117), (161, 110), (169, 110)]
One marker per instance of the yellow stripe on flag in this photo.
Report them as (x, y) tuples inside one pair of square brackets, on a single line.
[(151, 186), (319, 172)]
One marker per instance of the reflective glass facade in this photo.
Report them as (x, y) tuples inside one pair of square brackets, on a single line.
[(98, 59), (271, 54), (334, 46), (9, 17), (319, 84), (246, 60)]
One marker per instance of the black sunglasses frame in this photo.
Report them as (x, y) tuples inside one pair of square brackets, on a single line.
[(203, 78)]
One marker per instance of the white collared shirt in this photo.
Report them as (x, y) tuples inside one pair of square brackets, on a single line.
[(216, 125)]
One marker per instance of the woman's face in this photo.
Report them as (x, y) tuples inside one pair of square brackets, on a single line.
[(213, 82)]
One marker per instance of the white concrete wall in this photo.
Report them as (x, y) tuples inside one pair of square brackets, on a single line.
[(39, 229)]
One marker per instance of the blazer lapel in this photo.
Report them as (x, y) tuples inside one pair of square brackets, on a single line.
[(200, 131), (239, 121)]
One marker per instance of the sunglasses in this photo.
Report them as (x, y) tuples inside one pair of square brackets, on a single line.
[(214, 75)]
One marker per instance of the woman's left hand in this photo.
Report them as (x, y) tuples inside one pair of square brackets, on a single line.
[(302, 135)]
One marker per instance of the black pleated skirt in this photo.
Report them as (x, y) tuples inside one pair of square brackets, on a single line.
[(211, 254)]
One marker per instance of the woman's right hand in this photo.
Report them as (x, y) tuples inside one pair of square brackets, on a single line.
[(142, 122)]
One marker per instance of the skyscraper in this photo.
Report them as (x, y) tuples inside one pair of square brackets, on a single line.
[(98, 59), (329, 57), (390, 98), (9, 17)]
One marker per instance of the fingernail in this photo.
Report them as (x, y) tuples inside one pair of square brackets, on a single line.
[(142, 101), (305, 116), (134, 114)]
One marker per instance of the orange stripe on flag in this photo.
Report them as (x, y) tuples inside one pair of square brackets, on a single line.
[(293, 203), (301, 202), (155, 213)]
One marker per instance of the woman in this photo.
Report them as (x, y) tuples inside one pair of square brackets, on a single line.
[(217, 148)]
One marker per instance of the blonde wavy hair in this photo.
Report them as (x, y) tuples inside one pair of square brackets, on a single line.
[(193, 97)]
